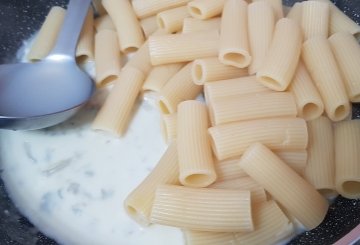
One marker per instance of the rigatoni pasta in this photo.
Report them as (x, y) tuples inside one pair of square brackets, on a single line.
[(234, 44), (174, 48), (169, 127), (322, 66), (196, 163), (194, 25), (171, 20), (277, 7), (211, 69), (229, 169), (230, 87), (205, 9), (346, 50), (46, 37), (179, 88), (297, 160), (146, 8), (347, 158), (104, 22), (308, 100), (261, 23), (250, 107), (216, 210), (288, 188), (107, 57), (149, 25), (139, 202), (315, 19), (126, 23), (115, 113), (85, 47), (295, 13), (160, 75), (280, 64), (320, 169), (232, 139)]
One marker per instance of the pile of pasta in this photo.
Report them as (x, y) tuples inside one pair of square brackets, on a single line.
[(274, 137)]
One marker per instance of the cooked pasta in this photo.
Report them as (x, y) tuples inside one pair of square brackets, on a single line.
[(205, 9), (126, 23), (308, 100), (320, 169), (216, 210), (174, 48), (298, 196), (315, 19), (196, 163), (276, 6), (107, 57), (234, 44), (232, 139), (347, 53), (295, 13), (238, 86), (169, 127), (46, 37), (179, 88), (149, 25), (211, 69), (139, 202), (347, 158), (297, 160), (160, 75), (104, 22), (321, 62), (229, 169), (115, 113), (261, 23), (195, 25), (172, 19), (146, 8), (271, 226), (280, 64), (85, 46), (250, 107)]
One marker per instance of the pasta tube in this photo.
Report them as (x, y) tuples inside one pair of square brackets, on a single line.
[(126, 23), (174, 48), (195, 158), (211, 69), (232, 139), (315, 19), (139, 202), (160, 75), (280, 64), (47, 35), (114, 115), (288, 188), (297, 160), (308, 100), (347, 53), (318, 56), (169, 127), (85, 46), (347, 158), (172, 20), (216, 210), (252, 106), (295, 13), (261, 23), (205, 9), (271, 226), (195, 25), (238, 86), (149, 25), (104, 22), (277, 7), (107, 57), (320, 169), (179, 88), (234, 46), (229, 169), (146, 8)]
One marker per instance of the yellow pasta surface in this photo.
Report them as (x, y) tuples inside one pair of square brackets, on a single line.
[(146, 8), (104, 22), (172, 20), (85, 47), (149, 25), (295, 13), (205, 9), (315, 19), (169, 127), (194, 25)]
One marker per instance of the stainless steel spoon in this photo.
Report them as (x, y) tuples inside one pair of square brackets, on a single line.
[(42, 94)]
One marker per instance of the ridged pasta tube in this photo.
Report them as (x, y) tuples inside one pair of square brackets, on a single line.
[(195, 25), (205, 9), (146, 8), (315, 19), (171, 20)]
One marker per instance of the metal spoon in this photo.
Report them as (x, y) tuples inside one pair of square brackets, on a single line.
[(42, 94)]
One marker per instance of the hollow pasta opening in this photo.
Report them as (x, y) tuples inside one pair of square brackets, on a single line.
[(130, 50), (199, 180), (271, 83), (163, 107), (198, 73), (351, 187), (108, 79), (161, 23), (235, 58), (131, 210), (340, 112), (196, 11), (329, 193), (310, 111)]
